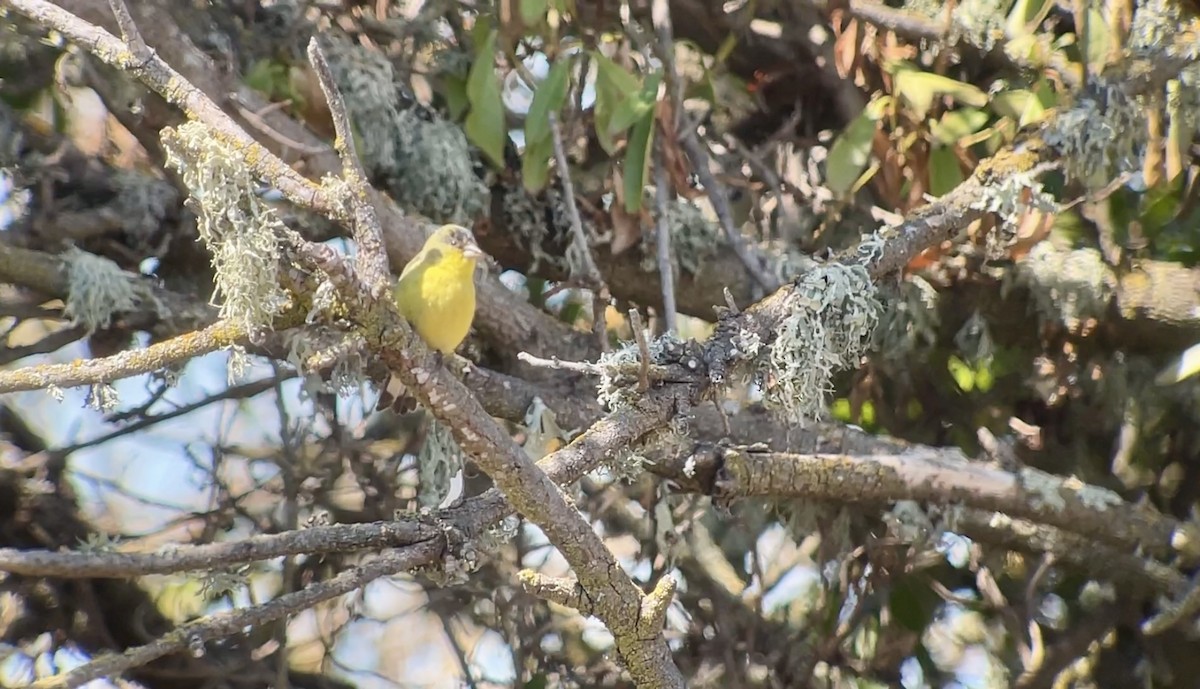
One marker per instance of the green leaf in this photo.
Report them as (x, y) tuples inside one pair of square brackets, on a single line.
[(1161, 204), (614, 86), (919, 88), (957, 124), (535, 164), (840, 410), (1021, 105), (634, 109), (485, 125), (616, 75), (637, 160), (963, 374), (985, 376), (1099, 39), (549, 98), (851, 151), (944, 171), (532, 11), (456, 96), (1026, 15)]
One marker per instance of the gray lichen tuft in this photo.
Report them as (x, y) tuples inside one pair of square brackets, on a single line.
[(979, 22), (694, 238), (1101, 135), (97, 289), (1067, 286), (238, 227), (434, 170), (833, 313), (616, 389), (437, 463), (424, 161), (367, 82)]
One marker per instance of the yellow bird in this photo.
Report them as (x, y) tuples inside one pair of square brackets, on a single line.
[(436, 293)]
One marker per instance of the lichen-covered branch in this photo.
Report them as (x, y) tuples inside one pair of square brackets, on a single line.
[(947, 478), (124, 364)]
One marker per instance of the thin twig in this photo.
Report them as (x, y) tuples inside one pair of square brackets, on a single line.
[(662, 241), (580, 245), (639, 335), (129, 31), (338, 538), (665, 48), (193, 635), (244, 391), (750, 258), (372, 263), (555, 363), (256, 120)]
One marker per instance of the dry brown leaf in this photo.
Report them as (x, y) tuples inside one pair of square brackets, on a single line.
[(626, 227)]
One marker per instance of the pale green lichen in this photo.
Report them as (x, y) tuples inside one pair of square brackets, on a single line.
[(424, 161), (1094, 497), (97, 543), (1100, 135), (434, 171), (240, 229), (615, 389), (1009, 198), (439, 460), (1155, 26), (145, 205), (238, 365), (1042, 489), (500, 534), (97, 289), (694, 238), (1068, 286), (832, 315), (367, 82), (980, 22), (103, 398)]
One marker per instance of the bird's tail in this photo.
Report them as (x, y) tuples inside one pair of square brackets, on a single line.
[(394, 396)]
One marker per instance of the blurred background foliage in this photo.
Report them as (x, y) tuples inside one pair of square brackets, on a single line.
[(1065, 325)]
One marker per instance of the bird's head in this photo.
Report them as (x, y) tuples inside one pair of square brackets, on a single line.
[(458, 238)]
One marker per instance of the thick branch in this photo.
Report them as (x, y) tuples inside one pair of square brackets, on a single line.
[(945, 477)]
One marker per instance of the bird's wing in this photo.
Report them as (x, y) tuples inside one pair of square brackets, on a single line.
[(427, 257)]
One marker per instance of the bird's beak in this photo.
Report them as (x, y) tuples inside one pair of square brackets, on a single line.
[(472, 251)]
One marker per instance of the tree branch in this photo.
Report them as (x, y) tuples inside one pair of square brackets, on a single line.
[(194, 634), (124, 364)]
